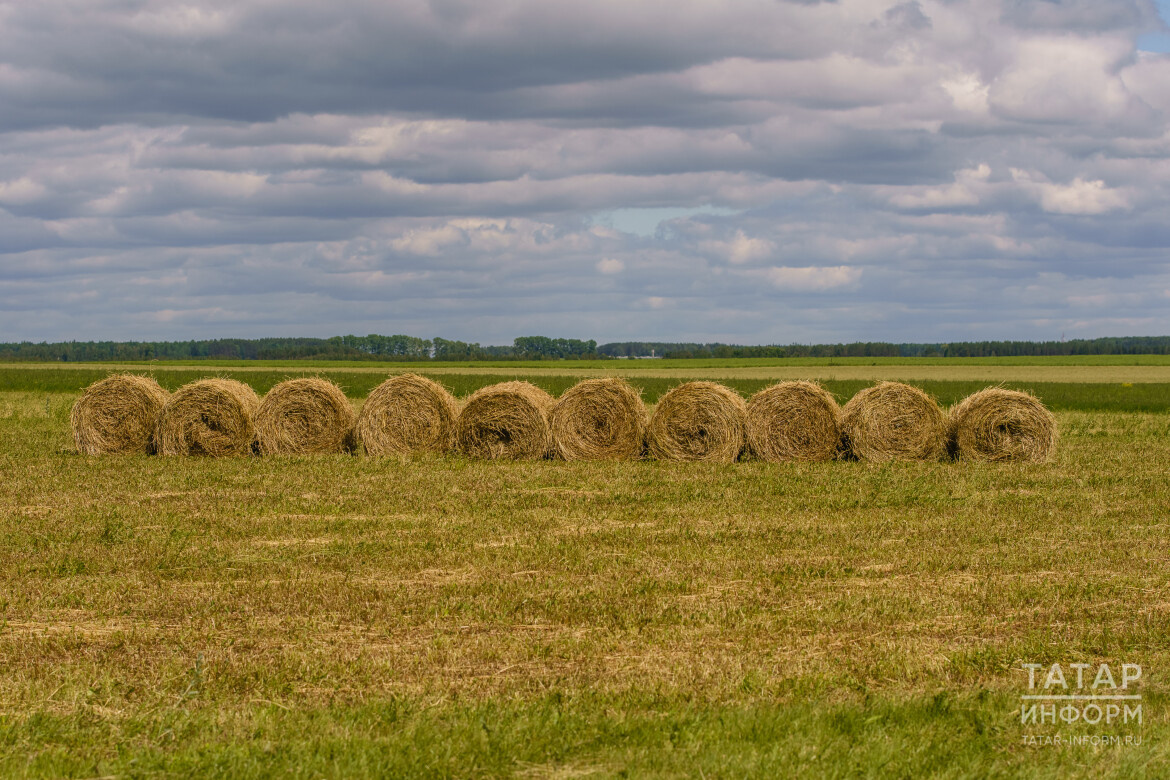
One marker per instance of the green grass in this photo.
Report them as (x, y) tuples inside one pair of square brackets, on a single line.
[(570, 736), (350, 616), (1068, 396)]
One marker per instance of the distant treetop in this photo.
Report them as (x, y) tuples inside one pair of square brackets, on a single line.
[(375, 347)]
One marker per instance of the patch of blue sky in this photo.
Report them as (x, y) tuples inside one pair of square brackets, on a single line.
[(1158, 41)]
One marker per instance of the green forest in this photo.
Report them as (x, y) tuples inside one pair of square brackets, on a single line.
[(399, 347)]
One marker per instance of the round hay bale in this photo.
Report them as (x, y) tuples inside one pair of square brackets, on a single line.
[(998, 424), (893, 421), (407, 413), (117, 414), (793, 421), (508, 420), (697, 421), (209, 417), (599, 419), (305, 416)]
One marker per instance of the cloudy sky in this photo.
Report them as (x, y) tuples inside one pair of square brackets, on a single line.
[(752, 172)]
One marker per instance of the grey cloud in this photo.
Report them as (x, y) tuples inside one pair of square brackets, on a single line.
[(438, 168), (21, 235), (908, 16), (254, 62), (1081, 15)]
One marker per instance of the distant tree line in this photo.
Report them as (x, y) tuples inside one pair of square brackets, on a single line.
[(371, 347), (682, 350), (1135, 345), (375, 347)]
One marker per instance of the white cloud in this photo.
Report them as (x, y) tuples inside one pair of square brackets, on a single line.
[(430, 242), (392, 184), (968, 92), (740, 249), (813, 278), (610, 265), (1066, 78), (1077, 197), (22, 190), (964, 192)]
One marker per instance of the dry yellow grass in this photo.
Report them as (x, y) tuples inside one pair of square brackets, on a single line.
[(905, 372)]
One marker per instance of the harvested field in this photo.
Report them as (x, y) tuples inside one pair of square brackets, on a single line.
[(1092, 370), (445, 615)]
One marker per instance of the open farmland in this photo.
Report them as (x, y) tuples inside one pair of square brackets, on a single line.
[(1070, 369), (1142, 385), (353, 616)]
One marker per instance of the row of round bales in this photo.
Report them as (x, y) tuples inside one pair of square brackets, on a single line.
[(596, 419)]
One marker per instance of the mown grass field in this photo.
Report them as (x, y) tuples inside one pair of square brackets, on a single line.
[(359, 376), (349, 616)]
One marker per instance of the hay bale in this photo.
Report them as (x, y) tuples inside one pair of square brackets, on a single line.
[(305, 416), (508, 420), (209, 417), (697, 421), (893, 421), (793, 421), (117, 414), (998, 424), (599, 419), (407, 413)]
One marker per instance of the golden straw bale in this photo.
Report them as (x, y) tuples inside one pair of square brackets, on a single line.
[(999, 424), (408, 413), (599, 419), (893, 421), (209, 417), (508, 420), (793, 421), (117, 414), (305, 416), (698, 421)]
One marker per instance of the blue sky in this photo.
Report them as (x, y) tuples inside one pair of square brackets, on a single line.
[(758, 171), (1158, 41)]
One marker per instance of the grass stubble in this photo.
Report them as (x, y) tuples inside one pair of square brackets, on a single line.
[(445, 616)]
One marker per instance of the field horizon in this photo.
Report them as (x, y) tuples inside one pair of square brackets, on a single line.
[(440, 616), (636, 364)]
